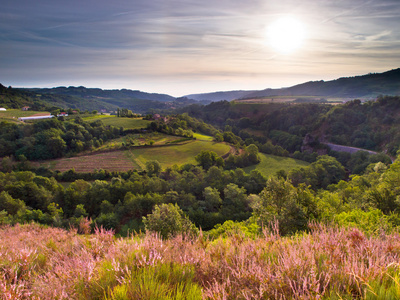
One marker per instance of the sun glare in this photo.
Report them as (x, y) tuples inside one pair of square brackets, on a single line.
[(285, 35)]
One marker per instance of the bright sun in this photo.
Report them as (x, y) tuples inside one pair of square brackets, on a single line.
[(285, 35)]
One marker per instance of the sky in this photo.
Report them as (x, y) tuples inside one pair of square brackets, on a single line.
[(180, 47)]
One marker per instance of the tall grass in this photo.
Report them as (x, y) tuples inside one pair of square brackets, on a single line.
[(328, 263)]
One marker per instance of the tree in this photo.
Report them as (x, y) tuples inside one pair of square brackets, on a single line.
[(253, 153), (279, 201), (6, 164), (153, 167), (234, 195), (212, 199), (219, 137), (207, 158), (10, 205), (56, 147), (169, 220), (75, 195)]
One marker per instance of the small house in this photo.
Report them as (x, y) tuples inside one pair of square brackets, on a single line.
[(25, 108)]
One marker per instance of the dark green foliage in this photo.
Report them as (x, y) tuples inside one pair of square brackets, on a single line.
[(288, 141), (321, 173), (9, 204), (48, 139)]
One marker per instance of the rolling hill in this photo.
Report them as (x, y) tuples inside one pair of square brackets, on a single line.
[(366, 87), (87, 99)]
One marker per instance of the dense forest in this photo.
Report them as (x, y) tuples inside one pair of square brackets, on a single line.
[(217, 189), (207, 197)]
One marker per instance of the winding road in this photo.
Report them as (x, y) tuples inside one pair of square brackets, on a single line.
[(341, 148)]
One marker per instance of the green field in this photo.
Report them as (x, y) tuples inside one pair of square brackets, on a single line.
[(270, 164), (177, 154), (202, 137), (127, 123)]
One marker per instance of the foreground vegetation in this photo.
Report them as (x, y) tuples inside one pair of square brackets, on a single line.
[(326, 263)]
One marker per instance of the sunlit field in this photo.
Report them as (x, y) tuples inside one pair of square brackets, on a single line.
[(271, 164), (178, 154)]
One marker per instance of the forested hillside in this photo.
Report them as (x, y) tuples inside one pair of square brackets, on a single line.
[(17, 98), (373, 125), (365, 86)]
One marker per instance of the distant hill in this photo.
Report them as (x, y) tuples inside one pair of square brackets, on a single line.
[(86, 99), (89, 99), (95, 98), (365, 86), (218, 96), (97, 93)]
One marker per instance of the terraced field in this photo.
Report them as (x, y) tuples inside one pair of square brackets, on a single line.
[(112, 161)]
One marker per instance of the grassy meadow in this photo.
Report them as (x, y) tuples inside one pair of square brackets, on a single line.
[(270, 164), (127, 123)]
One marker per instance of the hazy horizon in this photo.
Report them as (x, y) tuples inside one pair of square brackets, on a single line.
[(186, 47)]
